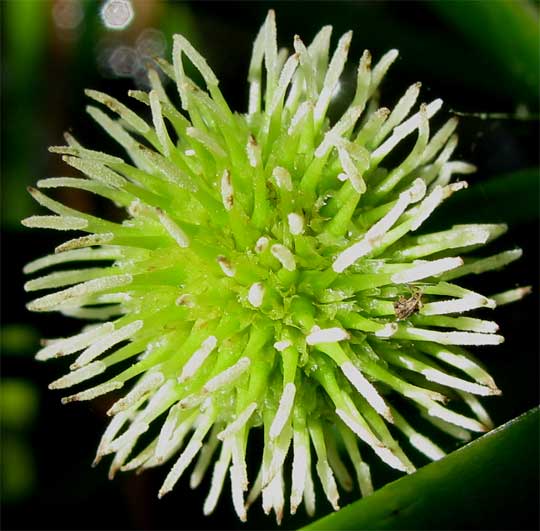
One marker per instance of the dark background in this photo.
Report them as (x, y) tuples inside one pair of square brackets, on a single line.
[(52, 50)]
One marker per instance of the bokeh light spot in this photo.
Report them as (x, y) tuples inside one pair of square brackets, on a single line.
[(124, 61), (117, 14), (67, 14), (151, 43)]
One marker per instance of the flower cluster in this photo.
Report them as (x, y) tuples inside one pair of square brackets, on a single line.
[(271, 273)]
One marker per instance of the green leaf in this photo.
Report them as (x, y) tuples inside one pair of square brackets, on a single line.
[(25, 43), (489, 484), (506, 30), (19, 400)]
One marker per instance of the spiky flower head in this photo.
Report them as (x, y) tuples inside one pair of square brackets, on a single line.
[(270, 274)]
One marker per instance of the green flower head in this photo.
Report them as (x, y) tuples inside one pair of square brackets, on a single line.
[(271, 273)]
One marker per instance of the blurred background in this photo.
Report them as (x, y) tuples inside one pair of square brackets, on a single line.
[(480, 57)]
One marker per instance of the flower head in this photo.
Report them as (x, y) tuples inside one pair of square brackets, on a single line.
[(271, 273)]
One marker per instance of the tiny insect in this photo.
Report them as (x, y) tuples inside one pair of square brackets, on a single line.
[(404, 307)]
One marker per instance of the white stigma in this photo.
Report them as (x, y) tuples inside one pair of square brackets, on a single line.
[(198, 358), (237, 493), (373, 236), (55, 222), (253, 152), (282, 178), (78, 376), (218, 478), (326, 335), (93, 392), (299, 115), (455, 418), (366, 389), (63, 347), (226, 266), (426, 269), (280, 346), (256, 294), (388, 330), (227, 376), (105, 343), (284, 255), (299, 471), (296, 223), (424, 445), (227, 192), (382, 451), (428, 205), (464, 304), (457, 383), (350, 255), (147, 384), (240, 421), (262, 244), (283, 413), (178, 235)]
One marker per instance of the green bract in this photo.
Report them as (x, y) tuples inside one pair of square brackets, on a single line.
[(269, 273)]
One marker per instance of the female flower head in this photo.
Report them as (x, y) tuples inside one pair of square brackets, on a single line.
[(271, 274)]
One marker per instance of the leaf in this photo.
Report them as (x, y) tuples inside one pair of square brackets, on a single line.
[(489, 484), (509, 32), (510, 198)]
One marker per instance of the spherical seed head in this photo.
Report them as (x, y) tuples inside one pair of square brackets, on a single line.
[(270, 275)]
